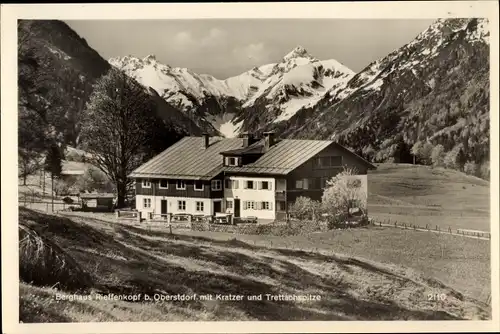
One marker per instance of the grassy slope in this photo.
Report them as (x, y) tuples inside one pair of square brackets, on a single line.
[(128, 259), (422, 195)]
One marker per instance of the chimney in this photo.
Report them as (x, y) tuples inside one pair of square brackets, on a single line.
[(247, 139), (268, 140), (206, 140)]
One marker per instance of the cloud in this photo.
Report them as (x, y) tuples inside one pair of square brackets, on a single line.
[(253, 53), (184, 40), (215, 36)]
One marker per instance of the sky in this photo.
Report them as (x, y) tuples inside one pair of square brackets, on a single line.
[(228, 47)]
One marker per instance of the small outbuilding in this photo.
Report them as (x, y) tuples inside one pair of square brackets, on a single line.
[(97, 201)]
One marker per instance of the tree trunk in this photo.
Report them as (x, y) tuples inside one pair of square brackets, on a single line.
[(121, 189), (24, 178), (52, 193)]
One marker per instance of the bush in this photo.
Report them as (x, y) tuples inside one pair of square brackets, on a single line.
[(61, 186), (305, 208), (471, 168), (342, 220), (68, 200), (437, 156), (343, 193), (484, 170), (43, 263)]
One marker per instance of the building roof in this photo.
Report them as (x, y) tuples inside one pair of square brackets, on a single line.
[(188, 159), (283, 157), (96, 195)]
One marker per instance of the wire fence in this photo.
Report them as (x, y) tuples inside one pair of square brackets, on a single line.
[(433, 228)]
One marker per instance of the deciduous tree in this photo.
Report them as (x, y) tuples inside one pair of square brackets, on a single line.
[(118, 123)]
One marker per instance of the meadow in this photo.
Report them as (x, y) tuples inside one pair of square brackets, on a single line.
[(127, 259), (421, 195)]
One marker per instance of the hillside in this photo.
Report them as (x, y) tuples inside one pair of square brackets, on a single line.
[(123, 259), (57, 74), (435, 89), (422, 195), (57, 69)]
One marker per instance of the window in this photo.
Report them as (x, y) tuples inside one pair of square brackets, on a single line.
[(248, 205), (146, 183), (281, 206), (299, 184), (181, 205), (329, 161), (266, 206), (163, 184), (200, 206), (249, 185), (216, 185), (229, 204), (228, 184), (146, 203), (198, 185), (181, 184), (232, 161), (305, 183), (265, 185)]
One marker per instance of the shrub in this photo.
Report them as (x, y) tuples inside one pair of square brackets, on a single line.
[(342, 220), (61, 186), (344, 193), (484, 170), (68, 200), (43, 263), (305, 208), (471, 168), (437, 156)]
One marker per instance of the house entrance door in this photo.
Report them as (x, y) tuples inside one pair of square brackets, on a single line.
[(217, 206), (163, 207), (237, 207)]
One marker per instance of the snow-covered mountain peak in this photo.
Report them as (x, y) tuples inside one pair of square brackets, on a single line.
[(149, 59), (298, 52)]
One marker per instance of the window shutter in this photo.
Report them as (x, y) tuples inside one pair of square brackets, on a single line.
[(270, 185), (235, 184), (245, 185), (244, 205), (260, 184), (270, 205)]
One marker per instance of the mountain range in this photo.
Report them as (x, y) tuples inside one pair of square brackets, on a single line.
[(434, 89), (272, 92)]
